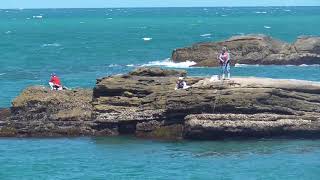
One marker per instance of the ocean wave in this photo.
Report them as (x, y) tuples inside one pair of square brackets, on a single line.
[(267, 27), (261, 12), (306, 65), (170, 63), (245, 65), (1, 74), (113, 65), (147, 39), (37, 17), (205, 35), (288, 65), (51, 45)]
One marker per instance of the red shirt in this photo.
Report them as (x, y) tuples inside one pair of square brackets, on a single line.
[(55, 80)]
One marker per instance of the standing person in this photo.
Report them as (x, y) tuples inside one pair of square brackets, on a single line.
[(224, 59), (55, 82)]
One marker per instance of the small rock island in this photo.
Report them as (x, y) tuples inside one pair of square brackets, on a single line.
[(144, 103), (253, 49)]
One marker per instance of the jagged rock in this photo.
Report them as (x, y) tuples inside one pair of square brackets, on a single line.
[(162, 106), (38, 111), (214, 126), (148, 106), (253, 49)]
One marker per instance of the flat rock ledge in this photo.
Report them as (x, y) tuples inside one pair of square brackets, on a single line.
[(253, 49), (144, 103)]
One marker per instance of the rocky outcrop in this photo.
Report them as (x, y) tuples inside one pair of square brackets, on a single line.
[(150, 107), (38, 111), (253, 49), (144, 103)]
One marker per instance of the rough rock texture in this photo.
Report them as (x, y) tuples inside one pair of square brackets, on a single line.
[(144, 103), (215, 126), (253, 49), (137, 103), (38, 111), (149, 105)]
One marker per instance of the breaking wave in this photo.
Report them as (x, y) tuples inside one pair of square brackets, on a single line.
[(305, 65), (261, 12), (245, 65), (51, 45), (170, 63), (205, 35)]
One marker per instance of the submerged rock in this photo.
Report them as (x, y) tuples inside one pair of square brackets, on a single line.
[(144, 103), (253, 49)]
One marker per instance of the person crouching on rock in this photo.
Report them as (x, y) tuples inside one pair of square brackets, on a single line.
[(224, 59), (181, 84), (55, 83)]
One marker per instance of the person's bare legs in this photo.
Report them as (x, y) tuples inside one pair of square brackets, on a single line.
[(51, 85)]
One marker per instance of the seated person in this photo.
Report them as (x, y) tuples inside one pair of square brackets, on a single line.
[(181, 84), (55, 83)]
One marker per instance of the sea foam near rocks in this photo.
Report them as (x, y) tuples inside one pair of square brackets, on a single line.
[(170, 63)]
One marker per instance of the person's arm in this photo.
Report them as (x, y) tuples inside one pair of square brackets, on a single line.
[(220, 58), (228, 57)]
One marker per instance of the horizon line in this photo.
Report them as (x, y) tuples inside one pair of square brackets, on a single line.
[(30, 8)]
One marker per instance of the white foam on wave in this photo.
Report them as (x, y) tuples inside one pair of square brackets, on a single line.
[(114, 65), (130, 65), (110, 18), (37, 17), (245, 65), (169, 63), (1, 74), (147, 39), (205, 35), (8, 32), (306, 65), (261, 12), (287, 10), (267, 27), (51, 45)]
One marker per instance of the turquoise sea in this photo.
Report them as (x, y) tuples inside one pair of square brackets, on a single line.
[(130, 158), (81, 45)]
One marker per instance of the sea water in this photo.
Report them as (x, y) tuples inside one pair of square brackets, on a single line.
[(130, 158), (81, 45)]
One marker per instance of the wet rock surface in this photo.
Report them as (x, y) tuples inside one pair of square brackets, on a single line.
[(144, 103), (253, 49)]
